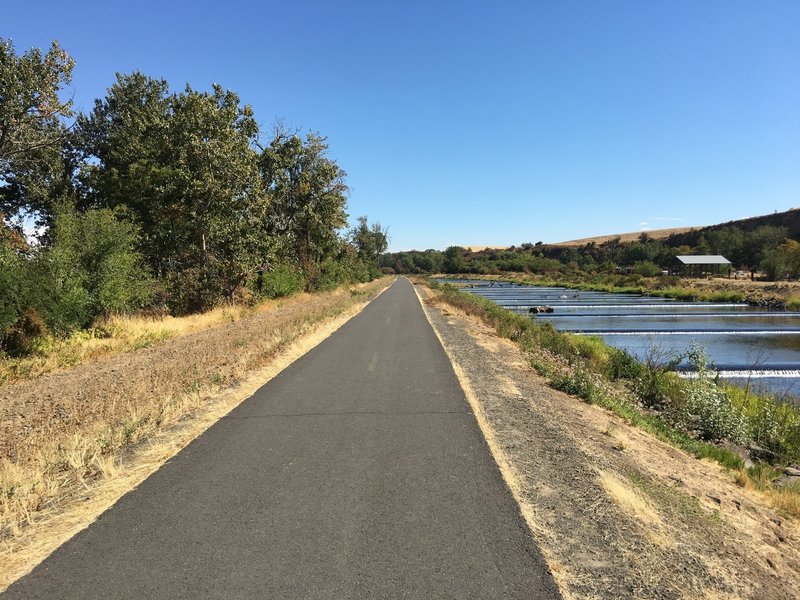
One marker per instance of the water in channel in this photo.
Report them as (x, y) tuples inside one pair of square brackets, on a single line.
[(748, 345)]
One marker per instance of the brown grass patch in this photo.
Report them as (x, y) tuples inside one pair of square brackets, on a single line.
[(633, 502), (123, 333)]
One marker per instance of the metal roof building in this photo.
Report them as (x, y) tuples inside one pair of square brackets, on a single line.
[(704, 264), (704, 259)]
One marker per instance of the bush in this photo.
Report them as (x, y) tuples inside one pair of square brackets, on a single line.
[(667, 281), (190, 290), (96, 252), (707, 408), (623, 366), (282, 280), (593, 350), (21, 338), (12, 287), (578, 383), (772, 425), (657, 388), (91, 269), (646, 269)]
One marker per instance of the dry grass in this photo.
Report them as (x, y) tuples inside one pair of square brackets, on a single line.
[(120, 333), (785, 500), (633, 502), (63, 433), (632, 236)]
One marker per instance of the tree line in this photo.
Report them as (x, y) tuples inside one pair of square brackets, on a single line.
[(157, 199), (765, 245)]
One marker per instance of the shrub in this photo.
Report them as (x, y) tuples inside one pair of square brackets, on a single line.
[(646, 269), (12, 287), (190, 290), (578, 383), (89, 269), (623, 366), (595, 353), (658, 388), (95, 251), (21, 338), (772, 424), (282, 280), (707, 408)]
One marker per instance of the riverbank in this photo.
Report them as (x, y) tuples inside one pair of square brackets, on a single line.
[(616, 511), (784, 295), (754, 435)]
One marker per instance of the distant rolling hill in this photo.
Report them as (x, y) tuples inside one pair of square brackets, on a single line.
[(482, 248), (632, 236), (789, 220)]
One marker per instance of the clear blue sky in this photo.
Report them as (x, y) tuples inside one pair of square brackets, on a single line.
[(487, 123)]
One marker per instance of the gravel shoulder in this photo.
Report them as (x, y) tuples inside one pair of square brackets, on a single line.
[(617, 513)]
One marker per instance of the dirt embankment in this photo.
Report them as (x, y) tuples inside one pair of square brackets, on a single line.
[(617, 513)]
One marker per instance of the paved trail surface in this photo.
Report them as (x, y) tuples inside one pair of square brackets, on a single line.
[(358, 472)]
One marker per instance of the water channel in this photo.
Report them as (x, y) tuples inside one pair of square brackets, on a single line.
[(748, 345)]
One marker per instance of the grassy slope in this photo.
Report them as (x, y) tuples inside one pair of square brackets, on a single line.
[(119, 334)]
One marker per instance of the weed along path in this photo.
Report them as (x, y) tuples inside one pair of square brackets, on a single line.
[(359, 472)]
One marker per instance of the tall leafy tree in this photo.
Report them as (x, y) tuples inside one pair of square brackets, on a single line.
[(33, 171), (370, 240), (308, 197), (123, 142), (454, 259), (184, 166)]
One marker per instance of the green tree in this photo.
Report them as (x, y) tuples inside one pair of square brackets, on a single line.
[(773, 264), (760, 243), (308, 197), (454, 260), (219, 204), (32, 129), (185, 168), (91, 268), (124, 141), (370, 241), (790, 255)]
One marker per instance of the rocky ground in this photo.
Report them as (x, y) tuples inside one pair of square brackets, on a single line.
[(617, 513)]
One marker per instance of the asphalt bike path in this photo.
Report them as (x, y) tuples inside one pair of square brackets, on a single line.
[(358, 472)]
